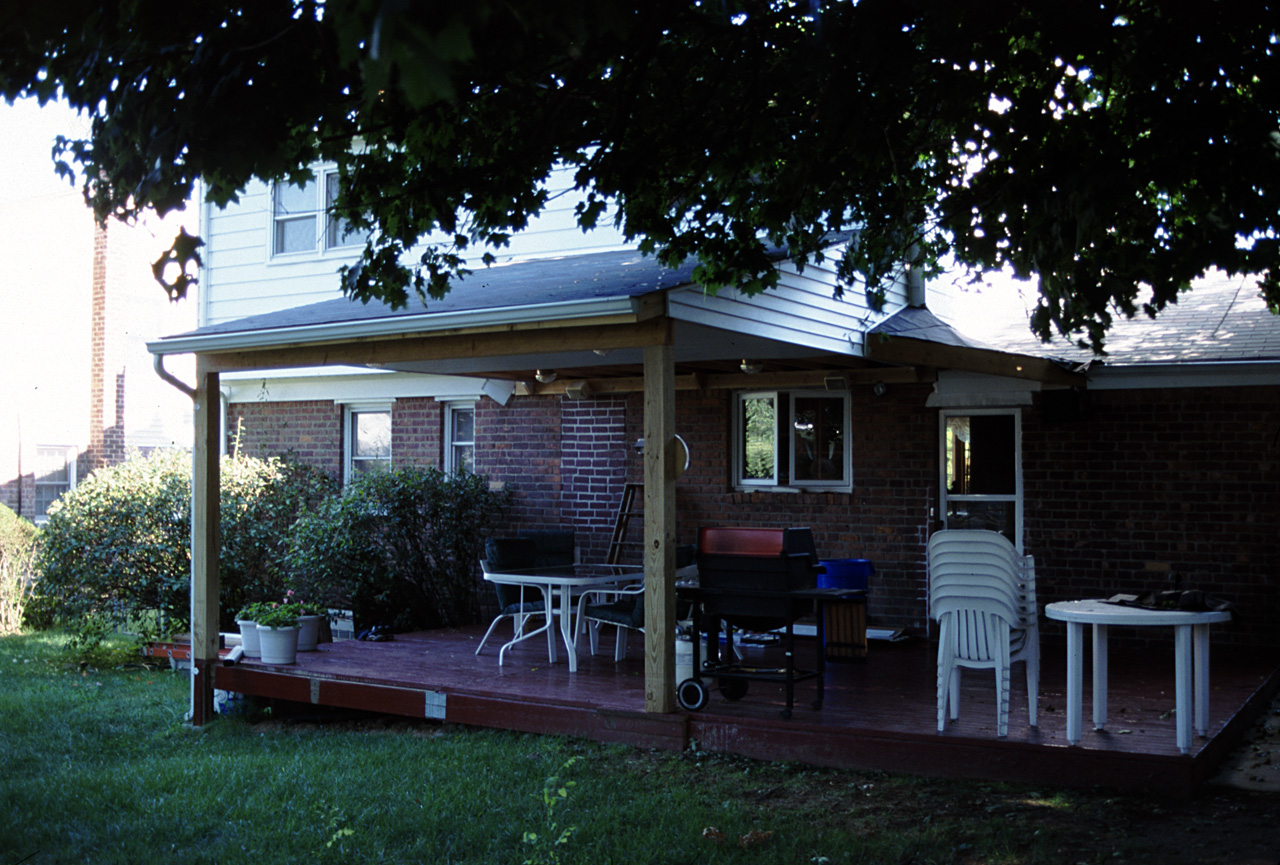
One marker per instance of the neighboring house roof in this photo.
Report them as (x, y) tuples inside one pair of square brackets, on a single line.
[(1223, 319)]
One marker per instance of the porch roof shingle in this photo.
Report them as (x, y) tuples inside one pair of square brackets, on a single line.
[(526, 284)]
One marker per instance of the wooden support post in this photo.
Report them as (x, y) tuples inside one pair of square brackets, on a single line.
[(659, 529), (205, 542)]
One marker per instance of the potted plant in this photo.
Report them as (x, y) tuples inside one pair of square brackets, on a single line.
[(247, 621), (308, 623), (278, 632)]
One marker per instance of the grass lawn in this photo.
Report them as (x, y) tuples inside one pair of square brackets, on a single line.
[(97, 765)]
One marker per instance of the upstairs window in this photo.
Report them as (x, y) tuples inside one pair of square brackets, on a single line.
[(302, 221), (792, 439)]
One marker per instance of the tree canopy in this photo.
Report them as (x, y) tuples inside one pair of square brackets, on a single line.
[(1114, 150)]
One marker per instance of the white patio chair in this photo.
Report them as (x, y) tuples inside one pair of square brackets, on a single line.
[(982, 593)]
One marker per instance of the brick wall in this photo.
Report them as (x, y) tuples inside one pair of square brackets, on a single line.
[(1148, 482), (594, 461), (308, 431), (417, 437), (1152, 483), (884, 519), (519, 445)]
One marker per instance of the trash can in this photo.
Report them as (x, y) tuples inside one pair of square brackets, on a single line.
[(845, 622)]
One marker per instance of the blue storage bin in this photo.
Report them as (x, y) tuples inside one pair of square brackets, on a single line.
[(846, 574)]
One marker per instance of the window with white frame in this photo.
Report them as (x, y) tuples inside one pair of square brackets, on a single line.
[(981, 463), (302, 221), (460, 438), (367, 440), (792, 439), (55, 475)]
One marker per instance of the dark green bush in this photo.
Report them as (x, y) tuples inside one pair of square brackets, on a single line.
[(261, 500), (118, 545), (117, 548), (18, 538), (398, 548)]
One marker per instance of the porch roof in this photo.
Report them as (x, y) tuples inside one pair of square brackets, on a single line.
[(568, 313)]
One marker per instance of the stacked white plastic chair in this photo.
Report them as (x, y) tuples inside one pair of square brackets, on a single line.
[(982, 594)]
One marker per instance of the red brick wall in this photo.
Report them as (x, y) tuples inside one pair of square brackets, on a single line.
[(416, 432), (308, 431), (519, 446), (593, 469), (884, 519), (1154, 482), (1147, 482)]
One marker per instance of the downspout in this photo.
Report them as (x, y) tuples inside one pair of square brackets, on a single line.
[(157, 360)]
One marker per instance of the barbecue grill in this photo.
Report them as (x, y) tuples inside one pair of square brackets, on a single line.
[(753, 580)]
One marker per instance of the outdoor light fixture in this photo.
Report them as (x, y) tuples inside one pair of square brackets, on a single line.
[(545, 376), (878, 388), (751, 367), (682, 458), (577, 390)]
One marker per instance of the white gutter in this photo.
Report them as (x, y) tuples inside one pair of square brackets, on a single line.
[(400, 325), (1183, 374), (158, 362)]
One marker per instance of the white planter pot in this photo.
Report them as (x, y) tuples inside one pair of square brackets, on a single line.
[(309, 632), (249, 638), (279, 645)]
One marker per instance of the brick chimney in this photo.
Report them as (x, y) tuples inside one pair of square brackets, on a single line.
[(106, 372)]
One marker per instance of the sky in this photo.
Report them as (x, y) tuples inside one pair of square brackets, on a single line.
[(27, 133)]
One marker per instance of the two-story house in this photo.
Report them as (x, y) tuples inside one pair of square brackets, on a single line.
[(1157, 463)]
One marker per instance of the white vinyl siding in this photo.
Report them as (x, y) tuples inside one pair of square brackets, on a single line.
[(243, 277)]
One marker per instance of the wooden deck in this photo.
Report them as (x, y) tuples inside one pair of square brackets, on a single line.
[(877, 715)]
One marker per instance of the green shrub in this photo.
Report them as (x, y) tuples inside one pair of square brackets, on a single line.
[(117, 548), (18, 539), (261, 500), (399, 548), (119, 544)]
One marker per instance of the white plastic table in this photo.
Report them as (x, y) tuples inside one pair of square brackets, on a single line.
[(1190, 660), (562, 583)]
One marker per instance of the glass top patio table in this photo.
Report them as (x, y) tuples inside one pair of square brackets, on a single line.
[(558, 585)]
